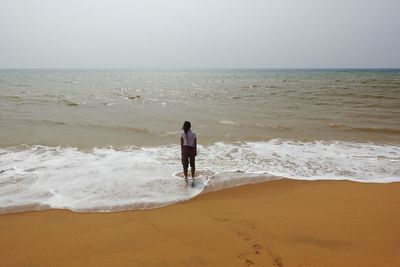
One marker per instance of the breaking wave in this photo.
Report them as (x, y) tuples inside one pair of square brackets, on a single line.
[(108, 179)]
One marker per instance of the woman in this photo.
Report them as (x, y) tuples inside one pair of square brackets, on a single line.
[(188, 150)]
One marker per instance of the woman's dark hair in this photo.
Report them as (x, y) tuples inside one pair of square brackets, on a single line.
[(186, 126)]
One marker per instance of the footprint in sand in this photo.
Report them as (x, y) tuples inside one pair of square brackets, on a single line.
[(278, 261), (220, 219), (257, 248), (243, 226), (249, 262)]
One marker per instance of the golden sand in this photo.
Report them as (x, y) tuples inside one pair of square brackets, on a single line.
[(278, 223)]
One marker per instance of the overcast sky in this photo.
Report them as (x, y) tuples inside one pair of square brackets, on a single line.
[(199, 33)]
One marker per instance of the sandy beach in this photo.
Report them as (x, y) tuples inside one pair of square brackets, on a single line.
[(288, 112), (277, 223)]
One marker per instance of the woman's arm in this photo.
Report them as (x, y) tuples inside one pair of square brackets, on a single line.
[(195, 146)]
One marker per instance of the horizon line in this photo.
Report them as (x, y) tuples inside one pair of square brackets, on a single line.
[(201, 68)]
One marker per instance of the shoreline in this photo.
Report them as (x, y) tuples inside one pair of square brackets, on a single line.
[(275, 223)]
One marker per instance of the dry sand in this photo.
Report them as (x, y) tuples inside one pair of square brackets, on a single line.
[(278, 223)]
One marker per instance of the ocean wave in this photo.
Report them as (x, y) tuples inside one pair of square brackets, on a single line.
[(40, 99), (13, 97), (45, 122), (170, 134), (117, 128), (378, 130), (391, 131), (91, 125), (70, 103), (108, 179), (228, 122), (271, 126)]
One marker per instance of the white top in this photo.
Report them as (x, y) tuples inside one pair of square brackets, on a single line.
[(188, 138)]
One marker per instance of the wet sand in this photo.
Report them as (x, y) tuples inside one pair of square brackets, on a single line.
[(277, 223)]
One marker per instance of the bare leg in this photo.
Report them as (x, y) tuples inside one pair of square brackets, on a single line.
[(192, 167), (185, 171), (193, 170)]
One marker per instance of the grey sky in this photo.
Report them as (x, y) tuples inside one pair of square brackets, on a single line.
[(199, 34)]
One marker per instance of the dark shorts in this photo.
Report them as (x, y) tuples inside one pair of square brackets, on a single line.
[(188, 156)]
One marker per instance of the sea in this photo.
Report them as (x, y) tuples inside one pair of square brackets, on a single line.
[(109, 140)]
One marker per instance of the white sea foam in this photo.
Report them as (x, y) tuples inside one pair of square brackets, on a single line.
[(228, 122), (107, 179)]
